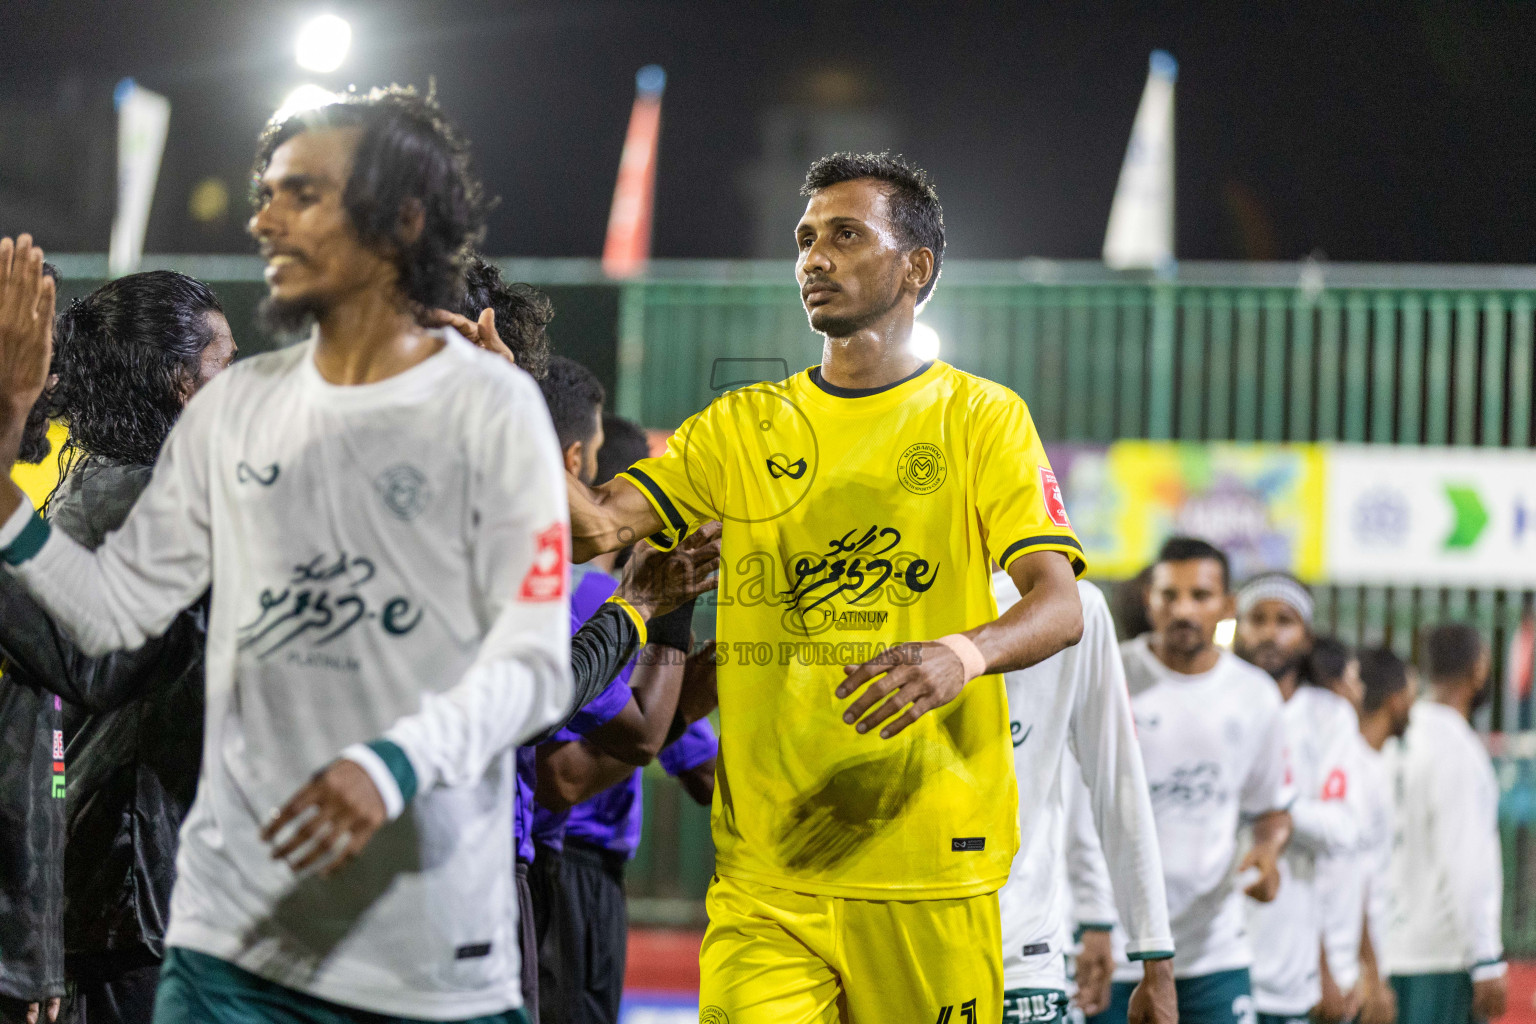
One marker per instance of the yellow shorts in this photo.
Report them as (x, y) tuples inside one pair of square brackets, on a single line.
[(772, 956)]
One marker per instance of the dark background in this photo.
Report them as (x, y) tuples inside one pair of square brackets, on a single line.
[(1390, 132)]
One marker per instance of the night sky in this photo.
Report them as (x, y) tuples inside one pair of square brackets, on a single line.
[(1390, 132)]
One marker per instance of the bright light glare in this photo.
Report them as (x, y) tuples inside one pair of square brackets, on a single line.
[(305, 97), (924, 342), (323, 43), (1226, 632)]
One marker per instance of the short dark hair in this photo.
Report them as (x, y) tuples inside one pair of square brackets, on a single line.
[(125, 356), (914, 201), (1452, 650), (1382, 674), (408, 152), (522, 313), (624, 444), (1193, 549), (1325, 665), (35, 445), (573, 394)]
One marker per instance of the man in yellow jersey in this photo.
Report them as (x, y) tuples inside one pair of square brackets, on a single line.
[(865, 805)]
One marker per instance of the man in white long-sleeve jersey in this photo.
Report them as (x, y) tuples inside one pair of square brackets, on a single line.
[(380, 512), (1075, 703), (1381, 689), (1274, 632), (1443, 946), (1213, 742)]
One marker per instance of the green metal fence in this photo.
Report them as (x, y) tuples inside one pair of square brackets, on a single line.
[(1385, 354)]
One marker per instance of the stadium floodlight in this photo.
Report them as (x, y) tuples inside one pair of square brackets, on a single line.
[(323, 43), (305, 97), (1226, 633), (924, 342)]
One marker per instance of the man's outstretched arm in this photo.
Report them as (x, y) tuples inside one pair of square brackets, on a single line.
[(606, 518), (922, 676)]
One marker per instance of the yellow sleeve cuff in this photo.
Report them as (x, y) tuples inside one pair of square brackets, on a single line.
[(634, 616)]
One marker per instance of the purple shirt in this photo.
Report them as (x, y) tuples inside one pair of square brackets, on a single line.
[(613, 818), (530, 822)]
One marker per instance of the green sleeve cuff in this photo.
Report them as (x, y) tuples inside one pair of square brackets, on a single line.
[(399, 766), (28, 542), (1151, 954)]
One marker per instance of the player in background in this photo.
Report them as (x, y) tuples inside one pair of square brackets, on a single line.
[(31, 809), (865, 807), (602, 832), (1443, 945), (128, 357), (1381, 689), (1070, 720), (1212, 738), (1274, 632), (629, 720), (380, 514)]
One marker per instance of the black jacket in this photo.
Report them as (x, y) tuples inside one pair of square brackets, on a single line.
[(31, 839), (133, 726)]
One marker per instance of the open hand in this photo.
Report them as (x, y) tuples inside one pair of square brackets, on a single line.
[(1267, 886), (655, 582), (1489, 997), (922, 675), (1155, 1000), (333, 816), (1095, 969), (26, 326), (481, 332)]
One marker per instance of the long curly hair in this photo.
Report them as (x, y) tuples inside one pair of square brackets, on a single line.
[(127, 356), (408, 152), (522, 313)]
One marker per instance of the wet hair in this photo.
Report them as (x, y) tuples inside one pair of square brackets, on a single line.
[(522, 313), (1382, 675), (408, 152), (914, 202), (1192, 549), (573, 395), (1452, 650), (1326, 664), (35, 445), (127, 355), (624, 444)]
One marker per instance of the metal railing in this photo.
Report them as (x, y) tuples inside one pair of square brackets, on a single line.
[(1394, 354)]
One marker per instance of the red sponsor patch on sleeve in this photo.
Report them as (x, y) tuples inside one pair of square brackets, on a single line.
[(546, 576), (1335, 788), (1050, 491)]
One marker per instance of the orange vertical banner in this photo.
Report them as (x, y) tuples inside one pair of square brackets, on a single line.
[(629, 222)]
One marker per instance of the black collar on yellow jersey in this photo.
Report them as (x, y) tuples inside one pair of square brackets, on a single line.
[(837, 392)]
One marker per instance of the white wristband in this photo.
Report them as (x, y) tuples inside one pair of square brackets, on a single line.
[(969, 654)]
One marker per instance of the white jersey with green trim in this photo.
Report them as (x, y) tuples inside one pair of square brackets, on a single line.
[(1214, 749), (1447, 868), (1071, 713), (1322, 735), (388, 563)]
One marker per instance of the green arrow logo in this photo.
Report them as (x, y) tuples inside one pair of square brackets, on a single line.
[(1471, 517)]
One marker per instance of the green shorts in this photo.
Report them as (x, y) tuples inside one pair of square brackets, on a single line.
[(1225, 997), (196, 988), (1034, 1006), (1433, 998)]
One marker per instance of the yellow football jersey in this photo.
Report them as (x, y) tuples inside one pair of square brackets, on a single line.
[(855, 521), (38, 481)]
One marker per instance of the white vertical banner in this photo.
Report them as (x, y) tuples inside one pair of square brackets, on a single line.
[(1140, 233), (143, 118)]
